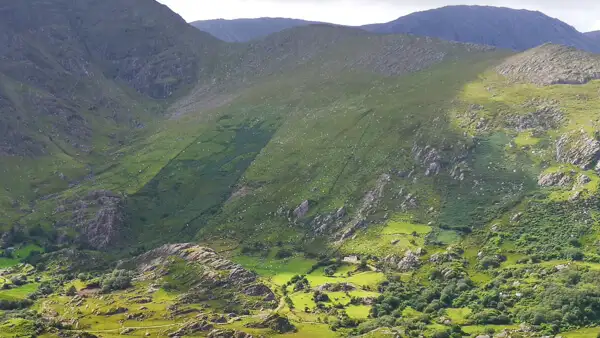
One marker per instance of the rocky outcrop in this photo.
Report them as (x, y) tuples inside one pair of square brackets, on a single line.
[(275, 322), (450, 255), (192, 328), (555, 179), (215, 274), (429, 157), (409, 262), (225, 333), (329, 222), (302, 209), (193, 254), (581, 180), (369, 204), (99, 217), (579, 149), (552, 64), (335, 287), (542, 116)]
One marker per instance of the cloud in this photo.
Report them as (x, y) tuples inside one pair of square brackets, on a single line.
[(579, 13)]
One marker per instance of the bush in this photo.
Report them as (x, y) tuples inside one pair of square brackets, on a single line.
[(319, 296), (71, 291), (117, 280), (283, 253)]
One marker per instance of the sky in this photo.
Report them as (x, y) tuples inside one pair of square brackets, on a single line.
[(582, 14)]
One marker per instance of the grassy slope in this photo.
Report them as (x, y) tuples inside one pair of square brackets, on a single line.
[(326, 138)]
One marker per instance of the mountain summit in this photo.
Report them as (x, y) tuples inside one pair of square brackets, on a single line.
[(495, 26)]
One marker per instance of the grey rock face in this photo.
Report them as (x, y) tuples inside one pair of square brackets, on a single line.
[(555, 179), (302, 209), (429, 157), (579, 149), (101, 228)]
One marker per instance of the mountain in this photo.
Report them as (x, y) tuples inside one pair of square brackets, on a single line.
[(324, 181), (79, 78), (593, 35), (243, 30), (494, 26)]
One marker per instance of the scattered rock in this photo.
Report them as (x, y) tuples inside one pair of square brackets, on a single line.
[(516, 217)]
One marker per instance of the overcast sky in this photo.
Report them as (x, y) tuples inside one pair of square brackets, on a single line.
[(583, 14)]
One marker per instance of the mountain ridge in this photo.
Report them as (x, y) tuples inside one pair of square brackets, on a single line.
[(501, 27), (244, 30), (498, 26)]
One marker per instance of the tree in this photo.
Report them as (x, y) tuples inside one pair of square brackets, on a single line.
[(71, 291)]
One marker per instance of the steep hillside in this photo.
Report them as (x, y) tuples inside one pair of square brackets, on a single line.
[(82, 78), (494, 26), (321, 182), (244, 30)]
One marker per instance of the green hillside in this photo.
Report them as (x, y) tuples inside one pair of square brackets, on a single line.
[(328, 182)]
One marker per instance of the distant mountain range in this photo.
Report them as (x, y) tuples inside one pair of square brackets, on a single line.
[(494, 26), (242, 30)]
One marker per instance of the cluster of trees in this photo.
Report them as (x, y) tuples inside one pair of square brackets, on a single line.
[(116, 280)]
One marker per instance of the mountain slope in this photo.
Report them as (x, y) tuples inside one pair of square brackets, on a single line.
[(494, 26), (593, 35), (82, 78), (243, 30), (322, 182)]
